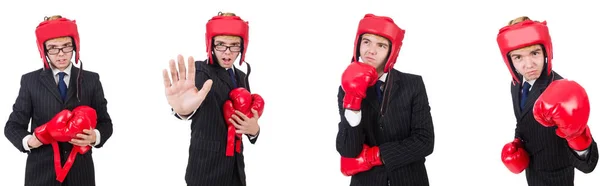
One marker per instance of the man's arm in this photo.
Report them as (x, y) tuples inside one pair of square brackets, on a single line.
[(18, 121), (420, 144), (104, 126), (586, 161), (350, 139)]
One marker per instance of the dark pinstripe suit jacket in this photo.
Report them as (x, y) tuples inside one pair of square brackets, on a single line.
[(404, 132), (552, 161), (38, 101), (207, 163)]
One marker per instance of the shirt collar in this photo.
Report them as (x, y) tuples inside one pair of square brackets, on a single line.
[(55, 71)]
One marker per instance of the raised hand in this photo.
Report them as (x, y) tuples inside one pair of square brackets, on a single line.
[(182, 94)]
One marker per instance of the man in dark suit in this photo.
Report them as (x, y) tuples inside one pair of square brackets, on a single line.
[(386, 130), (47, 91), (548, 153), (214, 136)]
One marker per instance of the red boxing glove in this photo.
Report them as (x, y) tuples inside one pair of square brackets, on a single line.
[(229, 111), (64, 132), (84, 117), (565, 104), (368, 158), (258, 104), (241, 98), (42, 132), (514, 156), (355, 80)]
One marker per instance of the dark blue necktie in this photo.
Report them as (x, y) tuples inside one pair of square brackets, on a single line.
[(62, 86), (379, 91), (232, 76), (524, 94)]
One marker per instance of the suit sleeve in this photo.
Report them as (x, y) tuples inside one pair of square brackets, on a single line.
[(104, 125), (420, 144), (253, 138), (18, 121), (588, 163), (201, 78), (349, 140)]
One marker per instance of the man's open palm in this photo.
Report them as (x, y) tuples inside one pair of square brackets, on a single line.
[(182, 94)]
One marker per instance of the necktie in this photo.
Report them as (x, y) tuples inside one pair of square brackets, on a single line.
[(379, 90), (524, 94), (232, 76), (62, 86)]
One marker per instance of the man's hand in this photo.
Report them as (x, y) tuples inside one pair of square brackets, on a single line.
[(88, 137), (33, 142), (244, 124), (182, 94)]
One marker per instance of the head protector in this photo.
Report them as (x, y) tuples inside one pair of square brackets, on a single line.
[(384, 27), (226, 25), (523, 34), (56, 28)]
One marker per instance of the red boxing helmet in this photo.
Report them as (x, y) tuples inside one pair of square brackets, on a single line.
[(226, 25), (523, 34), (384, 27), (56, 28)]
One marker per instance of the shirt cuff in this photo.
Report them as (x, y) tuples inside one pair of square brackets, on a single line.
[(25, 145), (582, 153), (251, 137), (353, 117), (184, 118), (98, 139)]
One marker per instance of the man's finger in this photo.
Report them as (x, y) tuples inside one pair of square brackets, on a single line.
[(181, 64), (241, 115), (83, 136), (255, 113), (238, 120), (191, 70), (205, 89), (174, 75), (78, 142), (166, 79), (235, 124)]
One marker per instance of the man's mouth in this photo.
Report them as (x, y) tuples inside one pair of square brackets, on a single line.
[(226, 60)]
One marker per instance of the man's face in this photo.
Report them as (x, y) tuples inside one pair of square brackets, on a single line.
[(529, 61), (374, 50), (60, 52), (227, 48)]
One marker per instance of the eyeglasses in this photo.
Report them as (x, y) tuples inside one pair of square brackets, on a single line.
[(223, 48), (54, 51)]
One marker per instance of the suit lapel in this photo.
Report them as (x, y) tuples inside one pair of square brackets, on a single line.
[(515, 91), (72, 84), (224, 76), (391, 88), (47, 79), (240, 78)]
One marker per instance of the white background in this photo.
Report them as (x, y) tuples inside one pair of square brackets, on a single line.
[(298, 52)]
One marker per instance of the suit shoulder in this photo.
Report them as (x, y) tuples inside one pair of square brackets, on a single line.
[(557, 76), (32, 74), (409, 76), (88, 73)]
